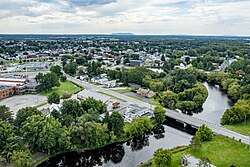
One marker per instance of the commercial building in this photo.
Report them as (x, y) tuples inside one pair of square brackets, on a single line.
[(14, 86)]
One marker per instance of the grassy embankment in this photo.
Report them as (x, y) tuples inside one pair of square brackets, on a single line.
[(221, 151), (240, 128)]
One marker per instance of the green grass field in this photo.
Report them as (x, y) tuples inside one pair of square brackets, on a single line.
[(240, 128), (65, 87), (112, 96), (221, 151), (122, 90)]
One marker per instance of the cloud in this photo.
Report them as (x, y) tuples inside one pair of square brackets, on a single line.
[(140, 16)]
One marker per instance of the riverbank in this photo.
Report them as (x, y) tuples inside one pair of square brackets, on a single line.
[(221, 151), (37, 160), (241, 128)]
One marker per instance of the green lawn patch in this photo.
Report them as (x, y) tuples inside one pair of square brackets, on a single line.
[(112, 96), (65, 87), (221, 151), (240, 128), (121, 90)]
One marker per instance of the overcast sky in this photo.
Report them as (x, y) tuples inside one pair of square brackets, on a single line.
[(197, 17)]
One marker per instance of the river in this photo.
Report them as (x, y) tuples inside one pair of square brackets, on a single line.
[(132, 153), (215, 105)]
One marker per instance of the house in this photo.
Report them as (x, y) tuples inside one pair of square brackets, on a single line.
[(145, 93), (55, 107), (134, 111), (135, 63)]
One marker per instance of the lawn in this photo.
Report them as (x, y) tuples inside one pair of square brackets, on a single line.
[(240, 128), (112, 96), (121, 90), (221, 151), (65, 87)]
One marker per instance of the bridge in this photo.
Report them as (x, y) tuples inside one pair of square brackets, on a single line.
[(195, 122)]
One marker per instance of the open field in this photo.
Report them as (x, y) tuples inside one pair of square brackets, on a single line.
[(221, 151), (65, 87)]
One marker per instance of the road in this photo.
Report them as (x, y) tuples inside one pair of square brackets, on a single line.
[(196, 122)]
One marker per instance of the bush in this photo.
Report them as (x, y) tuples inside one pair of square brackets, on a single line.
[(204, 133), (66, 95)]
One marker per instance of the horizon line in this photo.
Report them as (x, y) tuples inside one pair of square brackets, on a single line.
[(127, 34)]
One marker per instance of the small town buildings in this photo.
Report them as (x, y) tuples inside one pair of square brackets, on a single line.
[(134, 63), (134, 111), (226, 63), (145, 93)]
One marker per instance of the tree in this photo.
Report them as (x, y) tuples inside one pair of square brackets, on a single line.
[(54, 98), (118, 62), (57, 70), (41, 132), (63, 78), (25, 113), (91, 103), (116, 123), (70, 68), (139, 126), (72, 107), (5, 113), (159, 113), (6, 132), (204, 133), (162, 158), (88, 133), (236, 114), (195, 142), (47, 81), (22, 158)]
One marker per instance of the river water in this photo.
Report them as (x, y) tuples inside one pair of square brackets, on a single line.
[(132, 153), (215, 105)]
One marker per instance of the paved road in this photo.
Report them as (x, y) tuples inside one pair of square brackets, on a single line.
[(217, 129)]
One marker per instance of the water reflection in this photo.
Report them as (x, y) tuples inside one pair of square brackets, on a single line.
[(128, 154), (159, 132), (113, 153)]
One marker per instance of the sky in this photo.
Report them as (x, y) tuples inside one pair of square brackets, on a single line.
[(162, 17)]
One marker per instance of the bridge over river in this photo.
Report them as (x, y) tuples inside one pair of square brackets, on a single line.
[(195, 122)]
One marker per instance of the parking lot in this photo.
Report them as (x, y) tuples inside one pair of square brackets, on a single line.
[(21, 101)]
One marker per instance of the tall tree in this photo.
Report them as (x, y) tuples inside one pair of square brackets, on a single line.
[(159, 113), (47, 81), (91, 103), (25, 113), (41, 132), (6, 132), (5, 113), (54, 98), (116, 123), (57, 70), (204, 133)]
